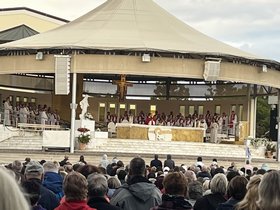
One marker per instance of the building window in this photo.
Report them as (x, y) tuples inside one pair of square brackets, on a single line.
[(33, 100), (233, 108), (101, 112), (25, 99), (218, 109), (132, 109), (153, 109), (112, 108), (240, 112), (191, 110), (17, 98), (200, 110), (182, 110), (122, 109)]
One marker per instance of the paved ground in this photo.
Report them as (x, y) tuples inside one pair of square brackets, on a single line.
[(94, 158)]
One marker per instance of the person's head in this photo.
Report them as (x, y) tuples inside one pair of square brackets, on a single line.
[(120, 164), (231, 175), (34, 170), (251, 197), (17, 166), (121, 174), (175, 184), (199, 159), (11, 195), (97, 185), (261, 171), (195, 190), (137, 167), (50, 166), (27, 160), (82, 158), (168, 157), (88, 169), (269, 191), (113, 182), (32, 188), (218, 170), (190, 175), (237, 187), (75, 187), (104, 157), (219, 184), (156, 157)]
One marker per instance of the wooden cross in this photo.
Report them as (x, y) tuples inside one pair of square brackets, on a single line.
[(122, 86)]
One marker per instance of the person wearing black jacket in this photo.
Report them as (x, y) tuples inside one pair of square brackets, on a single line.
[(34, 172), (97, 189), (169, 162), (175, 187), (156, 162)]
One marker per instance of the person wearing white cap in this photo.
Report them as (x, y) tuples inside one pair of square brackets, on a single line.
[(34, 172)]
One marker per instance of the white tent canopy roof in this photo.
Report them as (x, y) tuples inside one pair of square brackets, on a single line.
[(133, 25)]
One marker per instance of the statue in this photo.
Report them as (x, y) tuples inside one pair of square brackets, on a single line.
[(84, 105), (122, 87)]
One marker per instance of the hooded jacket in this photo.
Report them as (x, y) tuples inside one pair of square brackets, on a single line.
[(138, 194), (53, 181)]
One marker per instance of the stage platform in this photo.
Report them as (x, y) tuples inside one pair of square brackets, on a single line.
[(183, 152)]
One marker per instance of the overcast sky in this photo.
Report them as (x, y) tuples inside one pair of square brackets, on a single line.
[(252, 25)]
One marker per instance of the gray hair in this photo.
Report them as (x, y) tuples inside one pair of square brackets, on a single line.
[(219, 184), (50, 166), (113, 182), (9, 191), (195, 190), (17, 166), (97, 185)]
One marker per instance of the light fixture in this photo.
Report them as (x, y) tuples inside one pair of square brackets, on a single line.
[(39, 56), (264, 68), (146, 58)]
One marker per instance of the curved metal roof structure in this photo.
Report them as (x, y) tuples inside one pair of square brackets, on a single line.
[(112, 38), (135, 25)]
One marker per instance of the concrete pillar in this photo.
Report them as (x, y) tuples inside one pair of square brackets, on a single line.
[(73, 107)]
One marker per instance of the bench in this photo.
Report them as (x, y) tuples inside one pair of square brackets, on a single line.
[(35, 127)]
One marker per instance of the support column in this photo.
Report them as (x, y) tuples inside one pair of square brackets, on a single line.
[(278, 128), (73, 107), (253, 113), (249, 108)]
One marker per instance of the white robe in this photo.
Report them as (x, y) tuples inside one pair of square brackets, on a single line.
[(214, 132), (7, 109), (44, 117)]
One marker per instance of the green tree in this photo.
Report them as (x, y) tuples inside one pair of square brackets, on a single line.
[(263, 116)]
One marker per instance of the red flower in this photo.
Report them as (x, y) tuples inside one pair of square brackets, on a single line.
[(83, 130)]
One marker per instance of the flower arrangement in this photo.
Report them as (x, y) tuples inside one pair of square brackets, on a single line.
[(83, 137), (270, 146), (258, 142), (88, 116)]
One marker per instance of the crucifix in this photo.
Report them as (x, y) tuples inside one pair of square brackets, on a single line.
[(122, 86)]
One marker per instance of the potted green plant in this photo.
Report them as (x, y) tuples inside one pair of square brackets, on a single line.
[(83, 138)]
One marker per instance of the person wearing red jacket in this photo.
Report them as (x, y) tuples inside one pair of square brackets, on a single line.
[(75, 190)]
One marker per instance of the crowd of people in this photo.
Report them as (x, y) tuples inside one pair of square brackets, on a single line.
[(28, 113), (159, 185)]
